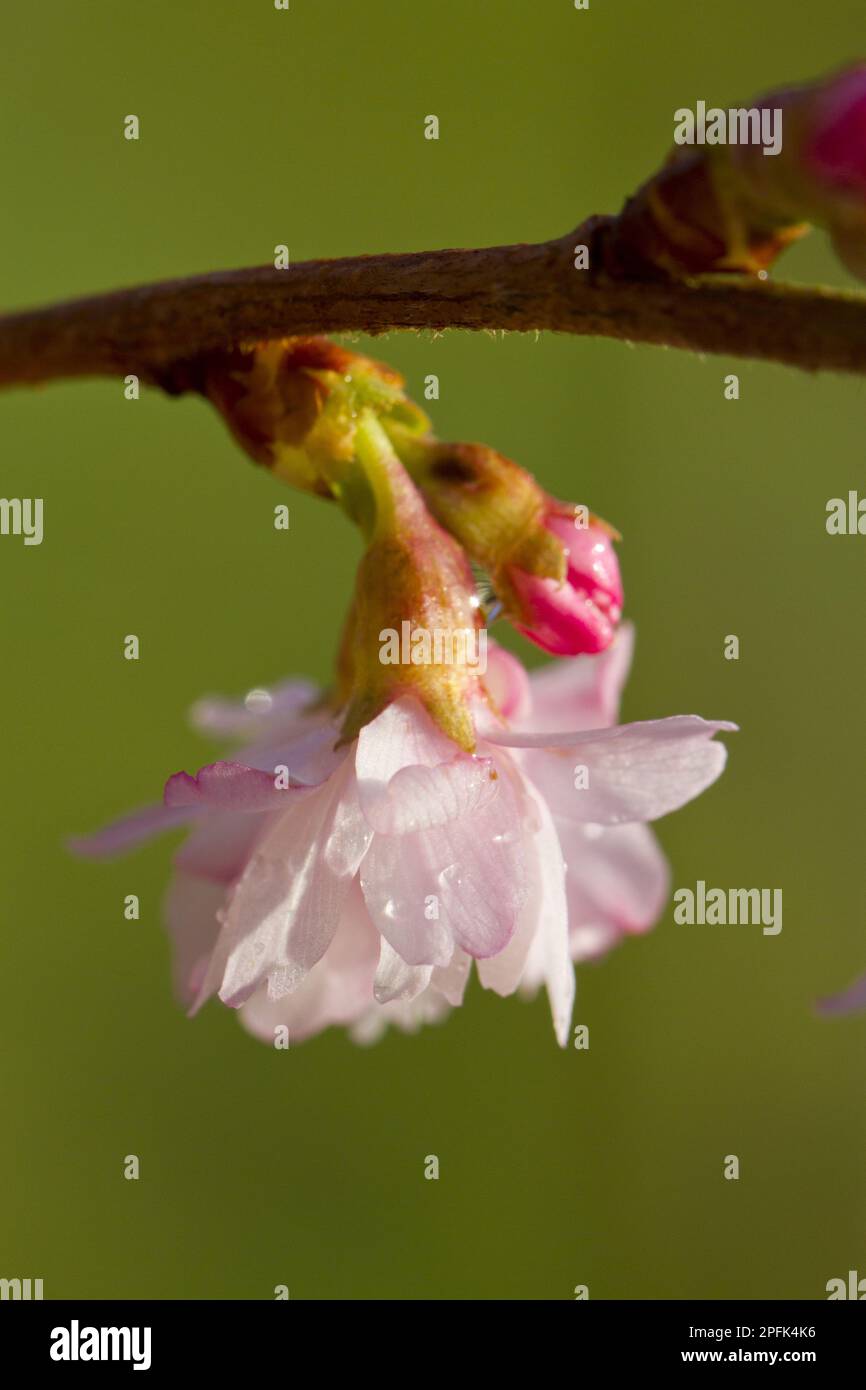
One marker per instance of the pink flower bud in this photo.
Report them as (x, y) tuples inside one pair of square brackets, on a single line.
[(835, 159), (580, 614), (820, 173), (836, 152)]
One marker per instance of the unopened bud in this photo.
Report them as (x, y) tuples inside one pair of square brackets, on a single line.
[(557, 581)]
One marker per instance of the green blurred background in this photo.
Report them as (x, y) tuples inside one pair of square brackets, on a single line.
[(306, 1168)]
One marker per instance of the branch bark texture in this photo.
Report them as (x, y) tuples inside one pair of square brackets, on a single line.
[(151, 329)]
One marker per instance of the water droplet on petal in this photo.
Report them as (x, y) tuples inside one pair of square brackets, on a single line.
[(450, 877), (258, 701)]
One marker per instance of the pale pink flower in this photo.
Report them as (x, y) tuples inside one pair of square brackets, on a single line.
[(362, 892)]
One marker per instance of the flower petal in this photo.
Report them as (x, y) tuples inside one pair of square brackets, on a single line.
[(191, 908), (617, 883), (549, 958), (635, 772), (504, 971), (311, 755), (403, 735), (338, 990), (220, 844), (564, 621), (409, 1015), (507, 684), (397, 980), (581, 692), (287, 905), (451, 980), (129, 831), (462, 883), (410, 776), (272, 713), (230, 786), (417, 798)]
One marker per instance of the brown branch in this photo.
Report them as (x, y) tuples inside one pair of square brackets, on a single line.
[(147, 330)]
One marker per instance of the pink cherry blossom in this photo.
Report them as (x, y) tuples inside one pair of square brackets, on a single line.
[(359, 889), (579, 615)]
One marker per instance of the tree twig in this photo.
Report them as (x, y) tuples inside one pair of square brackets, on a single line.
[(149, 329)]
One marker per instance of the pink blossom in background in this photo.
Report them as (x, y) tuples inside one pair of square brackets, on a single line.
[(820, 173), (361, 893), (836, 150), (848, 1001)]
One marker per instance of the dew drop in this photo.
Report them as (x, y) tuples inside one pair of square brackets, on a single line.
[(450, 877), (258, 701)]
